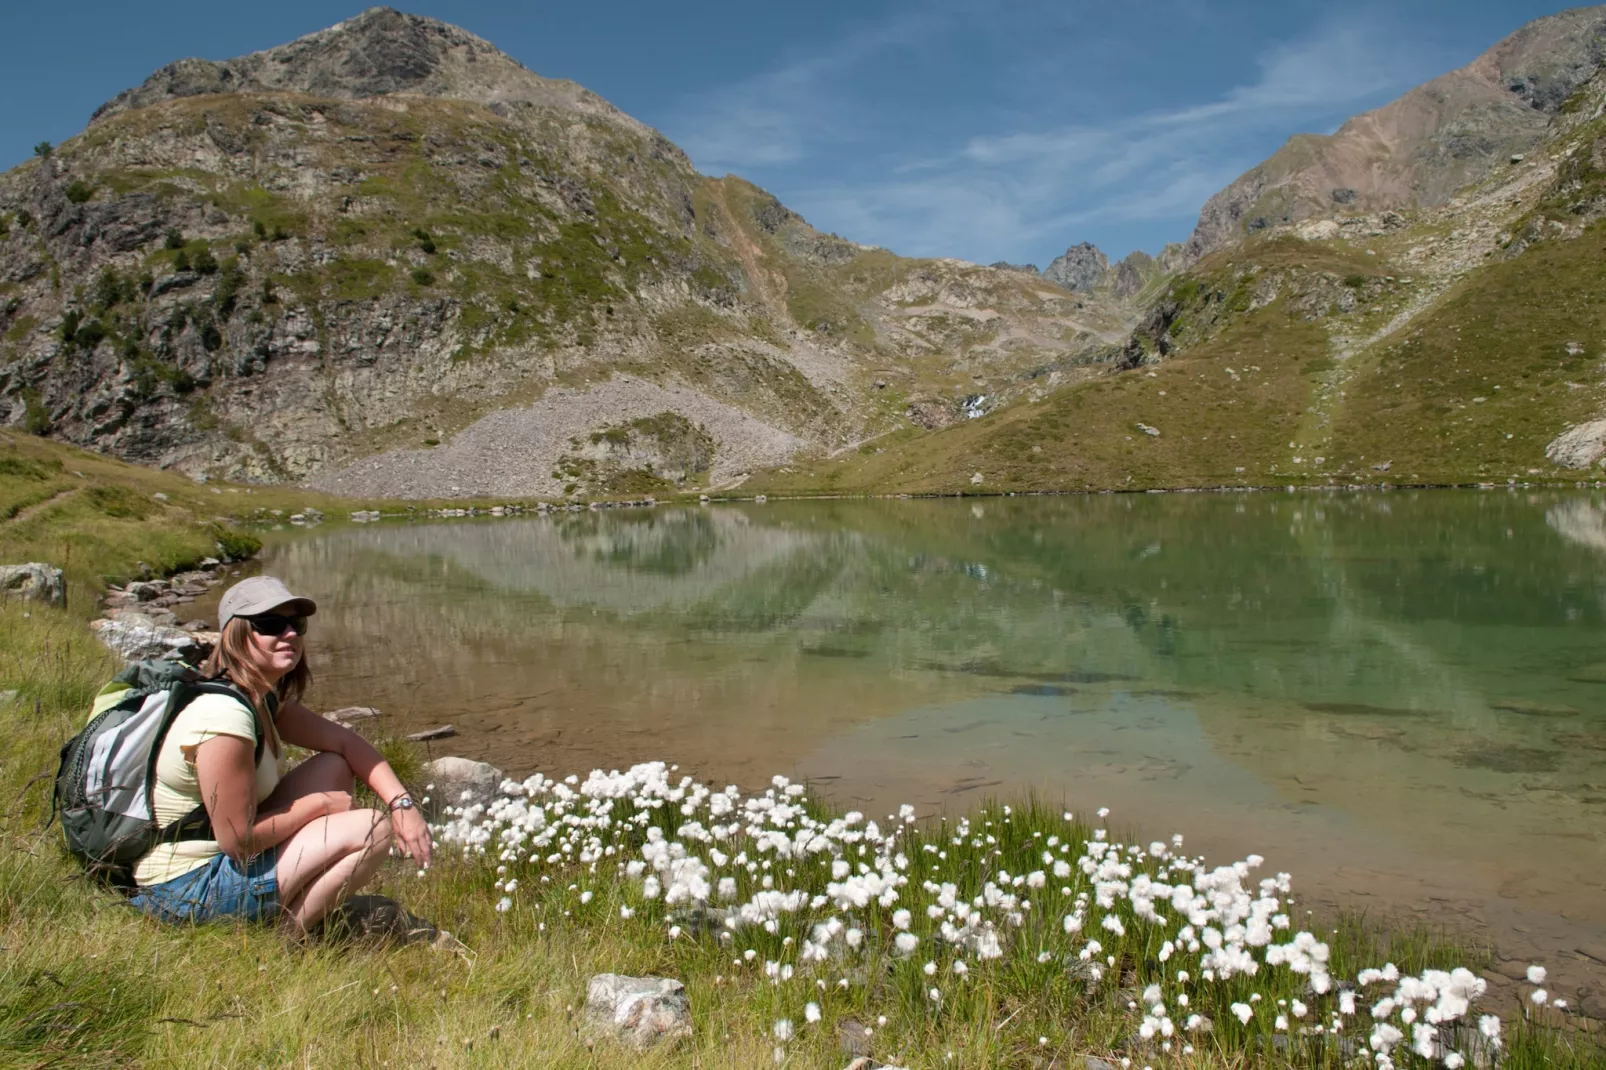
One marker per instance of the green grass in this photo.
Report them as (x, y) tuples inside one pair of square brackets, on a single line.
[(1503, 336)]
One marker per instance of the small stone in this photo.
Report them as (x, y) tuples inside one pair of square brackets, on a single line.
[(353, 713), (8, 698), (854, 1040), (33, 582), (444, 731), (641, 1012), (1095, 1063)]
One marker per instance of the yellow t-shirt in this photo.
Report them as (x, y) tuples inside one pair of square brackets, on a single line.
[(176, 792)]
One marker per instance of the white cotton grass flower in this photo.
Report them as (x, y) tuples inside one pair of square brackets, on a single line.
[(811, 1013), (1536, 975), (783, 1030), (837, 895), (1539, 997), (503, 905)]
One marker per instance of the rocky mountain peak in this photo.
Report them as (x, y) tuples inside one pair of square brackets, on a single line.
[(1420, 149), (381, 51), (1081, 267)]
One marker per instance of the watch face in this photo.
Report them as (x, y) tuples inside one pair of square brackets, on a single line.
[(404, 803)]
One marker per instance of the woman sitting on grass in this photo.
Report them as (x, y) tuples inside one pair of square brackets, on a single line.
[(279, 843)]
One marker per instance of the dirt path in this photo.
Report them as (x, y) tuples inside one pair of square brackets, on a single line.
[(33, 510)]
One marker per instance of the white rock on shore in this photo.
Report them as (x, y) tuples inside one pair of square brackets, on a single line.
[(33, 582), (642, 1012), (455, 777), (137, 637)]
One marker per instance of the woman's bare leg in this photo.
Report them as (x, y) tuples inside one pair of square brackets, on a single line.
[(328, 860)]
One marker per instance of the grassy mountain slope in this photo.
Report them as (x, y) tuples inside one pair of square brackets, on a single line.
[(1441, 345)]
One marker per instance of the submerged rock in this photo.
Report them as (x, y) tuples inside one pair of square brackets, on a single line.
[(33, 582), (639, 1011)]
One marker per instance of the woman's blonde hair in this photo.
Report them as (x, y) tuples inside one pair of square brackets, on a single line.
[(232, 658)]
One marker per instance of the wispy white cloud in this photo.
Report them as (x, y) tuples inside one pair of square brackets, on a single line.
[(784, 115), (1045, 184)]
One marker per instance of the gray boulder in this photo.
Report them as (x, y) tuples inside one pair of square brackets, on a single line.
[(460, 782), (137, 637), (33, 582), (641, 1012)]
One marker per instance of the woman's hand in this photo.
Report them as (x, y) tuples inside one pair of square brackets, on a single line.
[(412, 835)]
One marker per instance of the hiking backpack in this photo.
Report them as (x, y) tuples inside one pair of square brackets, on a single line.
[(106, 782)]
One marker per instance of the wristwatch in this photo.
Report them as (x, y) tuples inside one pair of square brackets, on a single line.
[(401, 802)]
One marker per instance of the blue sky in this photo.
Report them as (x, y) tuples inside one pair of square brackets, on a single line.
[(988, 131)]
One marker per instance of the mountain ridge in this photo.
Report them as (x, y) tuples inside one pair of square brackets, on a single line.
[(1420, 148)]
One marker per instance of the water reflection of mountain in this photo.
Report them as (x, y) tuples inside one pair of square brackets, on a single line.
[(1400, 602)]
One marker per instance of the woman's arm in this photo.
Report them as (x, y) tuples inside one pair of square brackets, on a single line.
[(225, 771), (304, 728)]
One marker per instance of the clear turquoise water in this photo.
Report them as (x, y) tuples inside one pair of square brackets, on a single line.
[(1399, 697)]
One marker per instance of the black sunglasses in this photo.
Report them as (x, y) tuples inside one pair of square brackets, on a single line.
[(276, 623)]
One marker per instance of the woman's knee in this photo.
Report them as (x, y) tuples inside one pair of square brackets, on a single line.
[(380, 832), (335, 771)]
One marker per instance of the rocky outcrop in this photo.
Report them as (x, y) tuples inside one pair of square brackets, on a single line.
[(33, 582), (1579, 447), (1081, 267), (1418, 150), (136, 637)]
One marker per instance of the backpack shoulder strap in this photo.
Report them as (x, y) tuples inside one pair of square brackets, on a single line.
[(197, 824)]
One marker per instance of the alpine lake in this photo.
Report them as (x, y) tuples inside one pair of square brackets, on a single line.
[(1398, 697)]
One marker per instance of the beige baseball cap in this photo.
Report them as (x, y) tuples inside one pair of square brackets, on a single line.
[(260, 594)]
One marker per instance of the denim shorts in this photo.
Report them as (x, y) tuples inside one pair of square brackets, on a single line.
[(216, 891)]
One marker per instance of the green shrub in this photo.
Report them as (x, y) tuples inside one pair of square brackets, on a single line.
[(27, 468), (35, 416), (234, 544), (90, 335), (259, 229), (1355, 281), (111, 289), (24, 218), (43, 150), (69, 324), (119, 502), (211, 337), (181, 262), (423, 276), (229, 285), (79, 191), (173, 239), (279, 233), (204, 262), (425, 242)]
